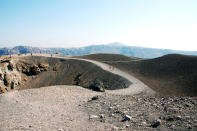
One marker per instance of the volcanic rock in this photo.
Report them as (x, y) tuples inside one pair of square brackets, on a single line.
[(95, 98), (127, 118), (10, 66), (97, 85), (35, 70), (156, 123), (43, 66)]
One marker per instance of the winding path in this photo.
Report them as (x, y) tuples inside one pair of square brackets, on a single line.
[(136, 87)]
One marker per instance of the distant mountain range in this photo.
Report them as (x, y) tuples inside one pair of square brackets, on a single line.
[(115, 48)]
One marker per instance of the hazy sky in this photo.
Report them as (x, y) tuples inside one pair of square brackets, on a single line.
[(66, 23)]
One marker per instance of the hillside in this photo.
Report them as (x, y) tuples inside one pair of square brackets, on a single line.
[(71, 72), (169, 75), (113, 48), (38, 71)]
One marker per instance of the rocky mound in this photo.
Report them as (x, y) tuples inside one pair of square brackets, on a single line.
[(38, 71)]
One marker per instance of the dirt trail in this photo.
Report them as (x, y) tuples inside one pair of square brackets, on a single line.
[(135, 88)]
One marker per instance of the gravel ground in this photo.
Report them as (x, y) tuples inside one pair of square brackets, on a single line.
[(48, 108), (64, 108), (141, 112)]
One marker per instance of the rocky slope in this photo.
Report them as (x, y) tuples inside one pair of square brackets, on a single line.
[(173, 74), (38, 71), (73, 72)]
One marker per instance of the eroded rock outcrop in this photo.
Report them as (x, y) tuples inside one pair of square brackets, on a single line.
[(12, 73), (43, 66), (31, 69), (10, 78)]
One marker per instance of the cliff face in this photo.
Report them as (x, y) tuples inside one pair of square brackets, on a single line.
[(10, 78), (15, 73)]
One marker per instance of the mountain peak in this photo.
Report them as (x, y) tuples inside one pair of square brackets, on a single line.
[(115, 44)]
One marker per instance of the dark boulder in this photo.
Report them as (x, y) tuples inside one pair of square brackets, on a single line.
[(156, 123), (97, 85), (77, 80)]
